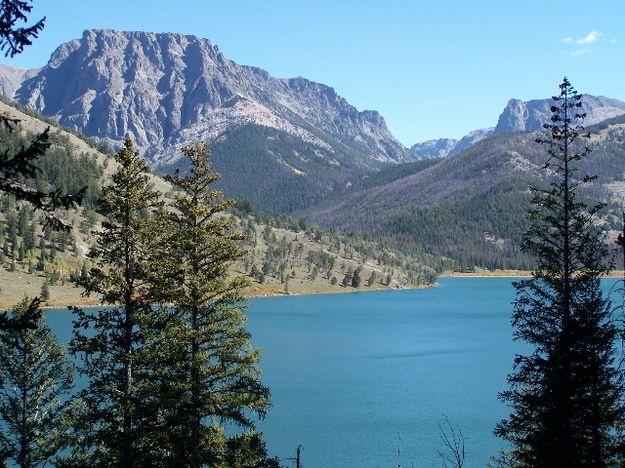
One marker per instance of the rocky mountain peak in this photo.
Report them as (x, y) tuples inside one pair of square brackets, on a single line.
[(438, 148), (531, 115), (521, 116), (162, 87), (12, 77)]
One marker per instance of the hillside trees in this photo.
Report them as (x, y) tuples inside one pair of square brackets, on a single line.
[(18, 164), (110, 341), (209, 370), (565, 397)]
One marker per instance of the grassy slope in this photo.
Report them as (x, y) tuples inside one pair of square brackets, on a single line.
[(14, 285)]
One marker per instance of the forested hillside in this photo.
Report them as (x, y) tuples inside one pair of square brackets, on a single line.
[(274, 171), (285, 255), (471, 207)]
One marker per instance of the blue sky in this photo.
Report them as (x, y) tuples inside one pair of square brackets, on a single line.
[(431, 68)]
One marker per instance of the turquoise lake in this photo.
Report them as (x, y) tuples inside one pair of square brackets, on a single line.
[(361, 380)]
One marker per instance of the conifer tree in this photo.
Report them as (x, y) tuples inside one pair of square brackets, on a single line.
[(356, 279), (13, 35), (371, 280), (565, 397), (45, 290), (30, 236), (35, 382), (110, 341), (209, 370)]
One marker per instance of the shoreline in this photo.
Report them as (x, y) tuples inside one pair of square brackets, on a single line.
[(269, 293), (510, 274), (258, 292)]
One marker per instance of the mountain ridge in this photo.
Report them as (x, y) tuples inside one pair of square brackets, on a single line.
[(521, 116), (154, 85), (285, 255)]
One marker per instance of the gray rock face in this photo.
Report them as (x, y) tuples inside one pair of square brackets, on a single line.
[(433, 148), (521, 116), (530, 116), (449, 146), (11, 78), (471, 138), (166, 89)]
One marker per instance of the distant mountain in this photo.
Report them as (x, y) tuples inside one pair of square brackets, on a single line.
[(433, 148), (521, 116), (166, 90), (448, 146), (471, 138), (11, 78)]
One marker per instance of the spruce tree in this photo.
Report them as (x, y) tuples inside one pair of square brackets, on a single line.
[(35, 383), (14, 36), (208, 373), (565, 395), (371, 280), (356, 279), (45, 290), (109, 341)]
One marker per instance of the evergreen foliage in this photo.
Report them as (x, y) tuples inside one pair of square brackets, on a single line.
[(19, 160), (208, 373), (35, 383), (296, 174), (565, 396), (45, 291), (371, 280), (14, 38), (18, 163), (114, 423), (356, 279)]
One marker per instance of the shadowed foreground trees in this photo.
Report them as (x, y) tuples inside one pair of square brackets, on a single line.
[(565, 396), (163, 380), (36, 381)]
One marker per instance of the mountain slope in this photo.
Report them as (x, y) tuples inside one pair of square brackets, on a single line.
[(11, 78), (287, 255), (167, 90), (471, 206), (438, 148), (519, 116)]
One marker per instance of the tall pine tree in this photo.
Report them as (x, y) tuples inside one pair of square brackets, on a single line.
[(110, 341), (209, 372), (564, 396)]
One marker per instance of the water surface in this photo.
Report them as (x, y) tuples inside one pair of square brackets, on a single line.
[(361, 380), (356, 377)]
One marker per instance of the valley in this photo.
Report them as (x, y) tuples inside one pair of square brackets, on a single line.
[(188, 193), (296, 147)]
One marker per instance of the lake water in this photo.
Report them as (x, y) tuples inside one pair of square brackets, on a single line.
[(361, 380)]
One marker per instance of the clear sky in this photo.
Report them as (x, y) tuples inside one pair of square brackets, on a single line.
[(431, 68)]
